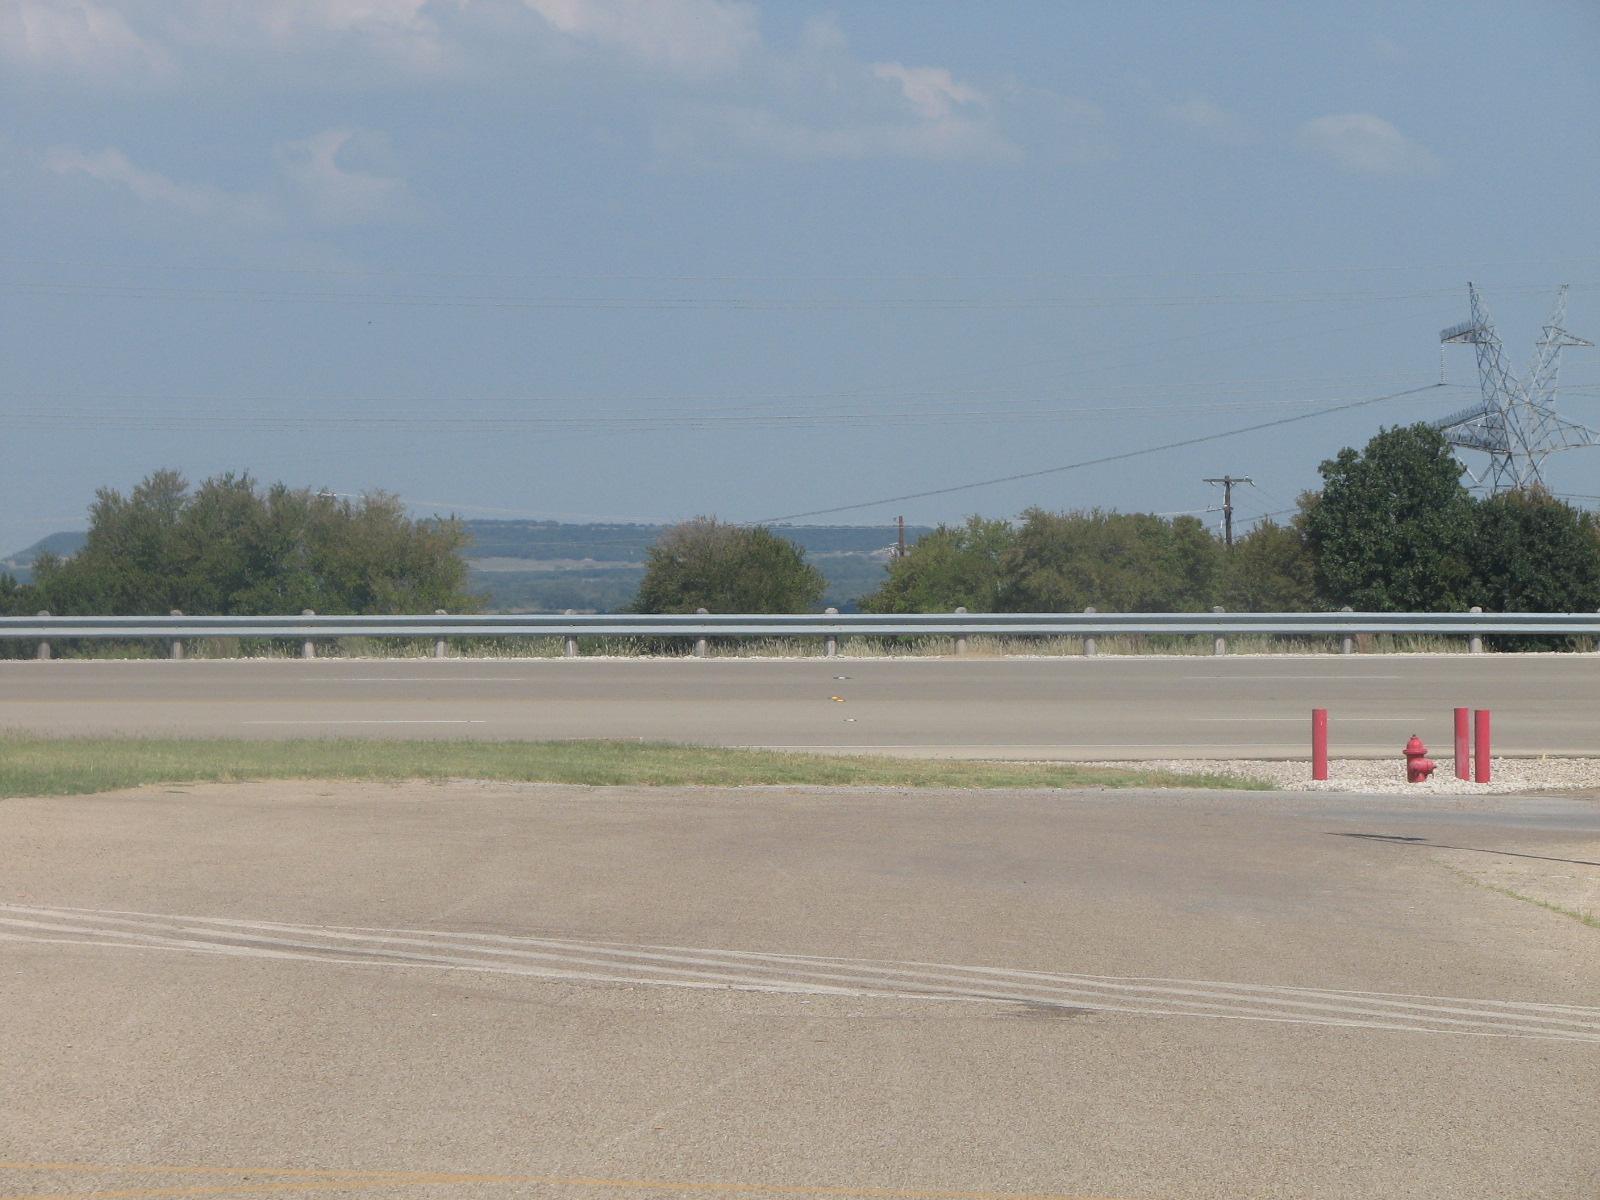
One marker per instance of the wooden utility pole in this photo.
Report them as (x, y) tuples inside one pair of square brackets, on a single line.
[(900, 544), (1227, 482)]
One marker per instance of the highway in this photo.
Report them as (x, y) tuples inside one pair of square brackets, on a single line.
[(1065, 709)]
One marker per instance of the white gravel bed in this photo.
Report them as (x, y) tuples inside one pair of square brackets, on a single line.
[(1388, 775)]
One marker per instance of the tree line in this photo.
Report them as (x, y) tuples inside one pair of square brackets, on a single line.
[(234, 547), (1392, 529)]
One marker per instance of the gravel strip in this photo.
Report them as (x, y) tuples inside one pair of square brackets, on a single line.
[(1388, 775)]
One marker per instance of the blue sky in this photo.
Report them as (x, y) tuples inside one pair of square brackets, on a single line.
[(644, 259)]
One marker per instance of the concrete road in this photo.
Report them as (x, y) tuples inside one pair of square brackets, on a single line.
[(458, 991), (1067, 708)]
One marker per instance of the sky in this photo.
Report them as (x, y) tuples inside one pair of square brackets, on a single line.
[(648, 259)]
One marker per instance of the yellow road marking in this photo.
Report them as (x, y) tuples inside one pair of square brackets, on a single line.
[(406, 1179)]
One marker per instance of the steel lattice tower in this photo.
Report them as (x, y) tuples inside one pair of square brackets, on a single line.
[(1515, 423)]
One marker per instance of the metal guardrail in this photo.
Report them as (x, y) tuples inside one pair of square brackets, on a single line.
[(1216, 624)]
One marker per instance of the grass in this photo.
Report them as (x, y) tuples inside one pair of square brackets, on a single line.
[(34, 766)]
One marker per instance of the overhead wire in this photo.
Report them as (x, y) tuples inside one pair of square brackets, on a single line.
[(748, 278), (1102, 460)]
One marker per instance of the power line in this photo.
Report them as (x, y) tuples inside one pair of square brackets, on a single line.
[(700, 304), (334, 271), (1095, 462)]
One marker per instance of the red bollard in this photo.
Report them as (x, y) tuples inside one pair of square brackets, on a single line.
[(1319, 743), (1480, 748), (1463, 745), (1418, 765)]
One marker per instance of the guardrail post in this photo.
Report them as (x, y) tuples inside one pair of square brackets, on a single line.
[(175, 650), (308, 649), (702, 645), (961, 638), (1219, 644), (830, 644), (44, 647), (572, 642), (1348, 646), (1090, 647), (1475, 642), (439, 650)]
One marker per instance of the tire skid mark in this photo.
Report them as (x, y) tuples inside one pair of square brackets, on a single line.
[(677, 966)]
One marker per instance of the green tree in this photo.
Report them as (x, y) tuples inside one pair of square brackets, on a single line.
[(232, 547), (1270, 569), (725, 568), (1532, 553), (1391, 528), (952, 567), (1117, 562)]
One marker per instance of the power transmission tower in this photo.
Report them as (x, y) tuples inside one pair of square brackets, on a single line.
[(1515, 423), (1227, 482)]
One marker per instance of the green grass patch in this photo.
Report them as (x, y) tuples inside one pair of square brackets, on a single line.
[(34, 766)]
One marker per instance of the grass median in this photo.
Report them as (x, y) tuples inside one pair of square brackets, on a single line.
[(33, 766)]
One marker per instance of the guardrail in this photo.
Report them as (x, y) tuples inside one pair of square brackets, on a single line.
[(1219, 625), (803, 624)]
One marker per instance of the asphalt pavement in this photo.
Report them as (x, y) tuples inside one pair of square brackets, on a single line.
[(1059, 708), (491, 990)]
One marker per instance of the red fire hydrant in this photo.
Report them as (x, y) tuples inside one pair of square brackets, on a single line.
[(1418, 765)]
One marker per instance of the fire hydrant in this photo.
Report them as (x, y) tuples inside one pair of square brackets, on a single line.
[(1418, 765)]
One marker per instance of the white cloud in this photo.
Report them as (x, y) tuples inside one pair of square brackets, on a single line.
[(79, 38), (159, 191), (696, 37), (946, 139), (822, 102), (930, 90), (715, 84), (332, 193), (1203, 115), (397, 32), (312, 189), (1364, 144)]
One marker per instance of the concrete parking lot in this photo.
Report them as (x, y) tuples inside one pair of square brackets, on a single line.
[(465, 990)]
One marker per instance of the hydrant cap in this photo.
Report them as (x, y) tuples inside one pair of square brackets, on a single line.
[(1415, 746)]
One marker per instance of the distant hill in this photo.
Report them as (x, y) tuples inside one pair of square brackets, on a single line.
[(551, 566), (64, 544), (628, 543)]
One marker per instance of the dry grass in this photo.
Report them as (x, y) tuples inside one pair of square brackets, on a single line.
[(792, 647)]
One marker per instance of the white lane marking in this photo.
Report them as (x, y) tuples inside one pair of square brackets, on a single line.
[(550, 958), (426, 679), (394, 721)]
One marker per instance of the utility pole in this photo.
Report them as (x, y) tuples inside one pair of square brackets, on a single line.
[(1227, 482), (900, 545)]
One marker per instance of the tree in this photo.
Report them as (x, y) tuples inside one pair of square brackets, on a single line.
[(1532, 553), (1270, 569), (710, 564), (231, 547), (1117, 562), (949, 568), (1392, 525)]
